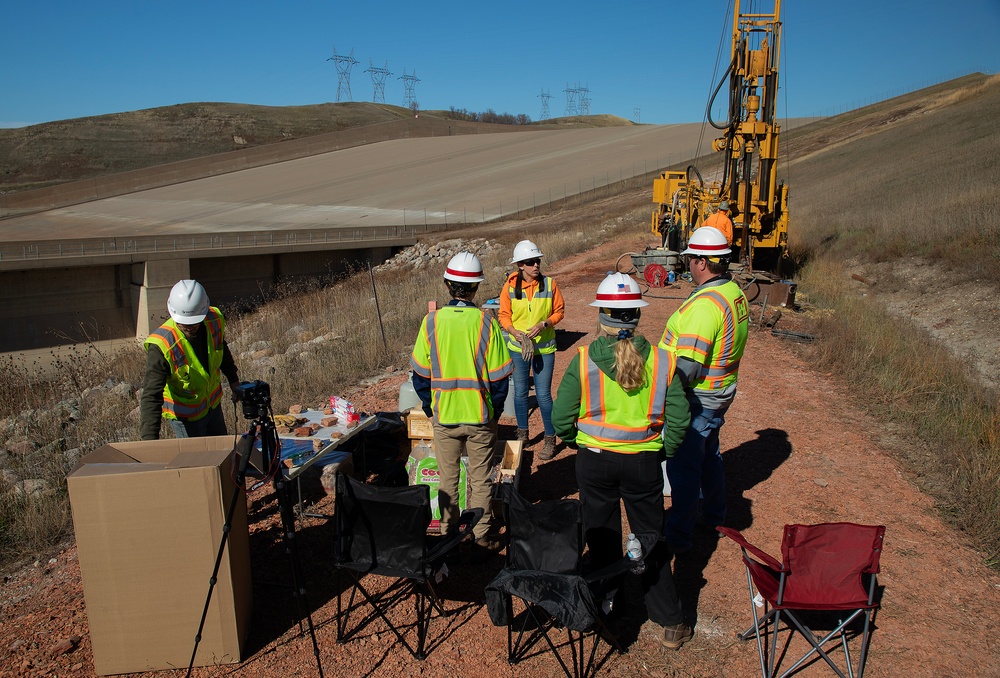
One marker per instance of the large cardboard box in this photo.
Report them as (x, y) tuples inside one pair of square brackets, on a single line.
[(149, 519)]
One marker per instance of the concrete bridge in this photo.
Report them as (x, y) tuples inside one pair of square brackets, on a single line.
[(96, 259)]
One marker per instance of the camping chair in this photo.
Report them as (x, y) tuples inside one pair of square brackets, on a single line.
[(543, 570), (383, 531), (822, 569)]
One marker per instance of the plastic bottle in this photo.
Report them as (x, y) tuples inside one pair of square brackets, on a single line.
[(671, 277), (634, 550)]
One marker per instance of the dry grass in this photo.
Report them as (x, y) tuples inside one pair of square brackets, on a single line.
[(924, 187)]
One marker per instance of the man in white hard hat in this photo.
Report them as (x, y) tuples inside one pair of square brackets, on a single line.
[(707, 334), (185, 360), (460, 373)]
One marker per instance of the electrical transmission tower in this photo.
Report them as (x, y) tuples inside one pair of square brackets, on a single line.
[(635, 115), (584, 94), (544, 96), (379, 76), (571, 93), (409, 82), (344, 65)]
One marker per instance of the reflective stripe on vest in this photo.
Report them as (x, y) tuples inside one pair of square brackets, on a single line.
[(525, 313), (720, 355), (192, 389), (638, 418)]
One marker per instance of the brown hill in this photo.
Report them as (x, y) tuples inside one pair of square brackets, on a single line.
[(84, 148)]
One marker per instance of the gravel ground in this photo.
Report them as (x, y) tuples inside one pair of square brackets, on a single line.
[(796, 450)]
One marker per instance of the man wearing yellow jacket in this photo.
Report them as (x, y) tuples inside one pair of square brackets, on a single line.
[(184, 359), (619, 404), (460, 373), (707, 334)]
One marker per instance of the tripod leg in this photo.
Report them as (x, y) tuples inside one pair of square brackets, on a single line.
[(287, 511), (227, 526)]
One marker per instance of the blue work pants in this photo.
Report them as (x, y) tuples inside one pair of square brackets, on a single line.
[(696, 466), (542, 365)]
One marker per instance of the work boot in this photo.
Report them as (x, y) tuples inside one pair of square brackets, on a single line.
[(676, 635), (522, 435), (548, 448)]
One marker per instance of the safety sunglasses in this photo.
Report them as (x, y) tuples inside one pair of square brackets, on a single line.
[(530, 262)]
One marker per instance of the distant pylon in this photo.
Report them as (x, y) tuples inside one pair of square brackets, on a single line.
[(379, 76), (635, 115), (409, 82), (544, 96), (584, 96), (570, 99), (344, 65)]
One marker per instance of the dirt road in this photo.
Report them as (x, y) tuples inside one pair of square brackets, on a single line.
[(796, 451)]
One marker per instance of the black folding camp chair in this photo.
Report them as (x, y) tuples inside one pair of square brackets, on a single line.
[(543, 571), (823, 569), (383, 531)]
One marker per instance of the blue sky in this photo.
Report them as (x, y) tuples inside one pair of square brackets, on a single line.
[(67, 59)]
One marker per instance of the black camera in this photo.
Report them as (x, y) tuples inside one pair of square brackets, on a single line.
[(255, 396)]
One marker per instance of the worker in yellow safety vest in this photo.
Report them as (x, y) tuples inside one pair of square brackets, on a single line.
[(184, 359), (619, 404), (530, 306), (721, 221), (707, 334), (461, 371)]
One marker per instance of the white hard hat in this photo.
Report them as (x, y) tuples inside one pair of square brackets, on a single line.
[(707, 241), (619, 291), (464, 267), (188, 302), (525, 250)]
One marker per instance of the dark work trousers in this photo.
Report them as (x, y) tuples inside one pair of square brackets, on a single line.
[(608, 478)]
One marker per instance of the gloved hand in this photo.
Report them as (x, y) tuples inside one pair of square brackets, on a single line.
[(527, 348)]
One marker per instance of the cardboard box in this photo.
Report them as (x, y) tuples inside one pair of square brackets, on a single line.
[(418, 425), (509, 470), (149, 518)]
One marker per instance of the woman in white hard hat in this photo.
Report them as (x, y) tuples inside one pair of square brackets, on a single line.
[(530, 306), (619, 404)]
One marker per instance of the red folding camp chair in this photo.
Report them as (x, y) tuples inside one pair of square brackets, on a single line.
[(823, 568)]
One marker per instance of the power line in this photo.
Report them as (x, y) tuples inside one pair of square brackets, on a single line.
[(379, 76), (544, 96), (409, 82), (344, 65)]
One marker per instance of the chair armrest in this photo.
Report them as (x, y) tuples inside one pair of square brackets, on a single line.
[(460, 531), (747, 546)]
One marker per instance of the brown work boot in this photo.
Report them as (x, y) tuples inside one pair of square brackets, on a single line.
[(522, 435), (676, 635), (548, 448)]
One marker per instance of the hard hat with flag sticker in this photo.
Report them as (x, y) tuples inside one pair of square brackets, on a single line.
[(619, 291)]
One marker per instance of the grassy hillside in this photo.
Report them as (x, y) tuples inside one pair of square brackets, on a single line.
[(83, 148)]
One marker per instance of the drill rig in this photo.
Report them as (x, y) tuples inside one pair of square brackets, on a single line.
[(758, 203)]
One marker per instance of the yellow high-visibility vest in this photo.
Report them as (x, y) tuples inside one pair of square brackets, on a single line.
[(710, 328), (461, 350), (525, 313), (192, 388), (638, 418)]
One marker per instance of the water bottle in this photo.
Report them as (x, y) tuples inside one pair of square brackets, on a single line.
[(634, 550), (671, 277)]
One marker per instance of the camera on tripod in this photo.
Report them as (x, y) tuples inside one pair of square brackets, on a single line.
[(255, 396)]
